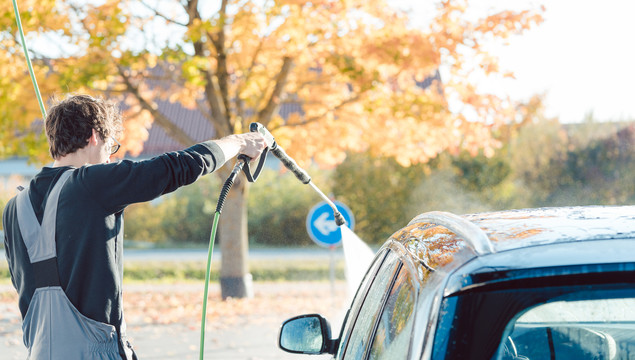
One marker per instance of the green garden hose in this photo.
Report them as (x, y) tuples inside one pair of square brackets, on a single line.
[(209, 268), (28, 59), (242, 160)]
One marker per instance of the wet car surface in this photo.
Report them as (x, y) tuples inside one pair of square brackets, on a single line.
[(552, 283)]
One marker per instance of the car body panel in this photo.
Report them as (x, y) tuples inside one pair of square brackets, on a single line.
[(557, 259), (462, 266)]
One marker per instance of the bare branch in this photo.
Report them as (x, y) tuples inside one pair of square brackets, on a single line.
[(240, 110), (168, 19), (265, 115), (318, 117), (240, 103), (220, 120), (111, 91), (168, 126), (191, 6), (204, 112), (254, 58)]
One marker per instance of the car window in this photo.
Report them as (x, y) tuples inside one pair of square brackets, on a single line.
[(583, 329), (364, 324), (360, 295), (392, 337)]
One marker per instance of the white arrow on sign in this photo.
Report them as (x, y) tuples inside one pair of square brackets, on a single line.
[(325, 226)]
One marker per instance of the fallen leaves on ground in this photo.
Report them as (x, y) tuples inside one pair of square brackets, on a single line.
[(182, 303), (150, 304)]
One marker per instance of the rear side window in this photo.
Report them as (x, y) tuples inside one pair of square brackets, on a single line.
[(361, 333), (392, 338), (582, 329)]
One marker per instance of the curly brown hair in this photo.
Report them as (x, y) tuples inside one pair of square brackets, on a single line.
[(70, 123)]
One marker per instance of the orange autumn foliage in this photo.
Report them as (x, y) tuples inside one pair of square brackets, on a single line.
[(354, 66)]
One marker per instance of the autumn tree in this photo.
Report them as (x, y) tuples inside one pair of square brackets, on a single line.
[(355, 67)]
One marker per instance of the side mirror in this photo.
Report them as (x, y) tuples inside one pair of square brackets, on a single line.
[(307, 334)]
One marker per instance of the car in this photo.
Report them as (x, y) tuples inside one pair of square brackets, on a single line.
[(548, 283)]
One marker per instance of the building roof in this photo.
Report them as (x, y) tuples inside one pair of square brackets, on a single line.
[(191, 121), (198, 127), (194, 123)]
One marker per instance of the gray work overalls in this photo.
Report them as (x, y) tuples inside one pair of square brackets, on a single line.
[(52, 327)]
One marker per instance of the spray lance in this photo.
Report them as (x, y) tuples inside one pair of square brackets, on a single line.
[(242, 164), (290, 164)]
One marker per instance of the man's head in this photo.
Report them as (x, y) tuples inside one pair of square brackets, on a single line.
[(70, 123)]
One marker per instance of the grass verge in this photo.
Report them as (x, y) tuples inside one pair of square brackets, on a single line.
[(180, 271)]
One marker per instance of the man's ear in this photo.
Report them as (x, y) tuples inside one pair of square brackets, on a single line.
[(92, 140)]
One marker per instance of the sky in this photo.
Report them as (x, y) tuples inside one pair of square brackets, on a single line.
[(582, 57)]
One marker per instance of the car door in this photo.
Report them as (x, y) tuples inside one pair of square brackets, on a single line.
[(380, 319), (384, 264), (391, 337)]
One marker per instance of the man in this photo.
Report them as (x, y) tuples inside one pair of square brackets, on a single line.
[(64, 233)]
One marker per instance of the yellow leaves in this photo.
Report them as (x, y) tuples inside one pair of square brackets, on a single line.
[(105, 21), (504, 23), (151, 60), (186, 96), (36, 16), (193, 70), (199, 29)]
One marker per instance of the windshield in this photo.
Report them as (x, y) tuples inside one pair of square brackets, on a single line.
[(583, 329)]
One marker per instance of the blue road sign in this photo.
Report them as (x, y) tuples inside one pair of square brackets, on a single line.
[(320, 223)]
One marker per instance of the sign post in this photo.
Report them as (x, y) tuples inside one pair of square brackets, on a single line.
[(322, 229)]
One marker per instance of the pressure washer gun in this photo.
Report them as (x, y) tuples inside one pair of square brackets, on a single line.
[(288, 162), (243, 164)]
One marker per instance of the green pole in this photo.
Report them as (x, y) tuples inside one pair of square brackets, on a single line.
[(28, 59)]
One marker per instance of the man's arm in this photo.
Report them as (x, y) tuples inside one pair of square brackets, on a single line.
[(116, 185)]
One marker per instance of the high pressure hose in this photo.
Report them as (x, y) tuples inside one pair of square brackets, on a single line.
[(243, 164), (242, 160)]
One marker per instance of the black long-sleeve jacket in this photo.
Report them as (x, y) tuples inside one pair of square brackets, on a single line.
[(89, 236)]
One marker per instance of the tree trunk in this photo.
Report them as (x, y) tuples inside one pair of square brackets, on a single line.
[(235, 279)]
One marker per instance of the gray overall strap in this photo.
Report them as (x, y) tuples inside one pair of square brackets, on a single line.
[(53, 328), (40, 244)]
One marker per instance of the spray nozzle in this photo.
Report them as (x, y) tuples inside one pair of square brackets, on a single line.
[(339, 219), (290, 164), (259, 128)]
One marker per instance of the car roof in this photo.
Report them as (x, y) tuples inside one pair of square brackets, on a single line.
[(528, 227), (433, 238)]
